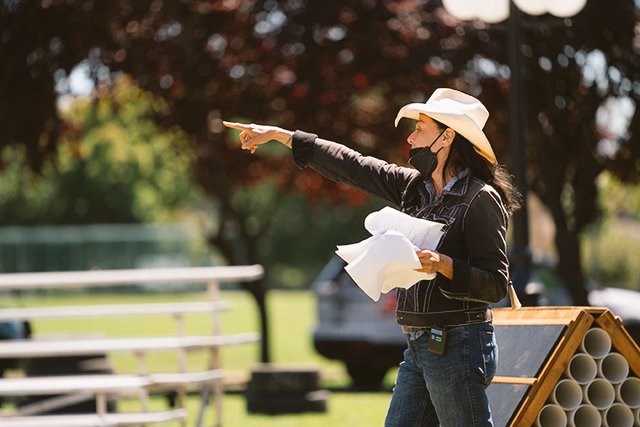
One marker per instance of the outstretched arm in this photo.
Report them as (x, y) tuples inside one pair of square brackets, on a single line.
[(252, 135), (332, 160)]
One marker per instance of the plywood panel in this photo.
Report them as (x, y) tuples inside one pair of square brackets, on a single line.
[(504, 399), (524, 349)]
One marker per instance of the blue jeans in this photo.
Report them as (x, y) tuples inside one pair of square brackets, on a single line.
[(447, 390)]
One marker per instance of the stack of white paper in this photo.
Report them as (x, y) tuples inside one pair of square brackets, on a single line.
[(388, 259)]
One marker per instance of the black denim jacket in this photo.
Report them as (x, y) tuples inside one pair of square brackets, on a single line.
[(474, 218)]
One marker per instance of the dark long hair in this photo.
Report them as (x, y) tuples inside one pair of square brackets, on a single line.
[(463, 155)]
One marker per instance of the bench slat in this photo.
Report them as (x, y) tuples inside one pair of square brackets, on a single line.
[(72, 383), (94, 420), (51, 348), (109, 310), (103, 382), (185, 378), (77, 279)]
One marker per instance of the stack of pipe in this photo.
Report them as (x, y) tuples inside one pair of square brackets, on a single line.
[(595, 389)]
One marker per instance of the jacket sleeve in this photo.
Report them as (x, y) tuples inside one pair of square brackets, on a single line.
[(484, 275), (342, 164)]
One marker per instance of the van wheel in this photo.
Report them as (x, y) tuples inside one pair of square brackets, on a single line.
[(364, 376)]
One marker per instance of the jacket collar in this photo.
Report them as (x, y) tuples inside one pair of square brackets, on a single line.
[(456, 186)]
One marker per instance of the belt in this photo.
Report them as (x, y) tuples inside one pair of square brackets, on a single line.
[(444, 318)]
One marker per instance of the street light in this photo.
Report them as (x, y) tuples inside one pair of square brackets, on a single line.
[(494, 11), (561, 9), (490, 11)]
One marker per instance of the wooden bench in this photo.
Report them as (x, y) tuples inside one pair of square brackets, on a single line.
[(79, 387), (89, 420), (14, 349), (175, 309), (99, 387), (101, 384)]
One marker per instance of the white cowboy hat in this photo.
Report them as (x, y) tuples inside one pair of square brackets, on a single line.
[(459, 111)]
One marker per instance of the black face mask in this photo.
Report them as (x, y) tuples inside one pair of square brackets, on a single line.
[(423, 159)]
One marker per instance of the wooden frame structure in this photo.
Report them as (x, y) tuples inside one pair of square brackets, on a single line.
[(536, 345)]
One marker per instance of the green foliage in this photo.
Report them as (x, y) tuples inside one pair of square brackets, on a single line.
[(298, 235), (305, 235), (611, 246), (611, 257), (617, 198), (114, 165), (24, 196)]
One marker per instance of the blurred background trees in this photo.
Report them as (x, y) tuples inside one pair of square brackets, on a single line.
[(113, 165), (163, 74)]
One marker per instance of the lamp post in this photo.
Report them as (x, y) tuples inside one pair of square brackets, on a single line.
[(494, 11), (521, 253)]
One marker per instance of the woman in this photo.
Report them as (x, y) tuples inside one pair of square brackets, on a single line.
[(451, 354)]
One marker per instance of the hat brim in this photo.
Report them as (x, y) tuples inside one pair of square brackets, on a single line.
[(456, 121)]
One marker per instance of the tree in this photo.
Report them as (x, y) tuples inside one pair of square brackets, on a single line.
[(568, 89), (113, 165), (340, 69)]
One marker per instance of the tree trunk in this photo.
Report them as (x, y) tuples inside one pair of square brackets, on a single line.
[(238, 248), (259, 292), (569, 259), (570, 266)]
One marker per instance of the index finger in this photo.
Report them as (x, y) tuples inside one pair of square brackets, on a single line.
[(234, 125)]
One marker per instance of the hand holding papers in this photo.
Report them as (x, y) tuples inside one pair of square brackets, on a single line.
[(421, 232), (388, 259), (382, 262)]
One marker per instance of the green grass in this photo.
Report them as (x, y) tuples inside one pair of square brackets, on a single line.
[(292, 317), (344, 409)]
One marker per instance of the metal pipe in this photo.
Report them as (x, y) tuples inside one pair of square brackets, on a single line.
[(521, 253)]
